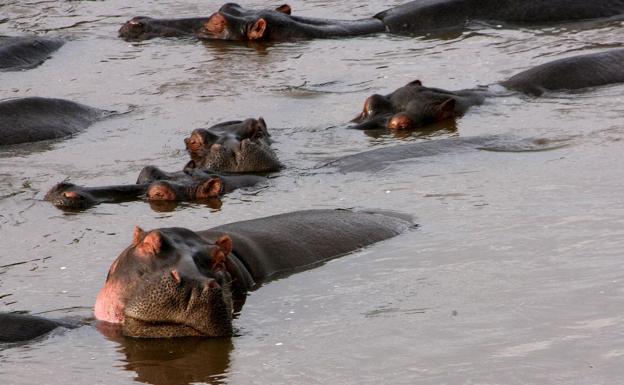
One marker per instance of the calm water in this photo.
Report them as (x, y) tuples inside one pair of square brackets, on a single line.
[(516, 275)]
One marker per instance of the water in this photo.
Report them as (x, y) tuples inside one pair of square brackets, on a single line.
[(515, 275)]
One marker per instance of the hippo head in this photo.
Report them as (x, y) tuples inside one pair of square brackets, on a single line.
[(233, 22), (190, 191), (169, 283), (69, 196), (137, 28), (233, 147), (407, 108)]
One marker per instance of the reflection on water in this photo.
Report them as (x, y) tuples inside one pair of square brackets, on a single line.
[(173, 361)]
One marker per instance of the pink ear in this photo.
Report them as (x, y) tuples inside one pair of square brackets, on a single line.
[(210, 189), (216, 24), (284, 8), (138, 234), (225, 244), (151, 245), (256, 31)]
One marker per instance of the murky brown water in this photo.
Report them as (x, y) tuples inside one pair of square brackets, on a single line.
[(516, 275)]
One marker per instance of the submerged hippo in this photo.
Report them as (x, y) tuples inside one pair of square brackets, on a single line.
[(22, 327), (233, 22), (235, 146), (387, 157), (414, 105), (143, 28), (25, 52), (34, 119), (175, 282), (191, 185)]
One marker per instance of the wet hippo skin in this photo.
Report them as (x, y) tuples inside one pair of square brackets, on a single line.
[(188, 280), (429, 15), (233, 22), (24, 52), (414, 105), (21, 327), (386, 157), (234, 146), (191, 184), (34, 119), (144, 28)]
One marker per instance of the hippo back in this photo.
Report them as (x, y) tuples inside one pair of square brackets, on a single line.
[(571, 73), (286, 243), (18, 53), (425, 15), (33, 119)]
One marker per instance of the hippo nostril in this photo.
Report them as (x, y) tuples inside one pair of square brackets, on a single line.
[(213, 285)]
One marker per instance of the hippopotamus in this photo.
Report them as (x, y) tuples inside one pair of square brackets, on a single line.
[(34, 119), (143, 28), (233, 22), (25, 52), (414, 105), (382, 158), (174, 282), (423, 16), (234, 146), (23, 327), (190, 185)]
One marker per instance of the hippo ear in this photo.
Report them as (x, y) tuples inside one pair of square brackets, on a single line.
[(445, 110), (138, 235), (210, 189), (415, 83), (225, 244), (151, 245), (256, 31), (216, 24), (284, 8), (224, 247)]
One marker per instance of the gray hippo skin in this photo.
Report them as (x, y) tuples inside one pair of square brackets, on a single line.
[(25, 52), (144, 28), (235, 146), (429, 15), (190, 185), (21, 327), (233, 22), (174, 282), (386, 157), (34, 119), (414, 105), (591, 70)]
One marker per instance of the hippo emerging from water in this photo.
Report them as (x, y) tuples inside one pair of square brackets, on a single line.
[(235, 146), (25, 52), (414, 105), (176, 282), (233, 22), (34, 119)]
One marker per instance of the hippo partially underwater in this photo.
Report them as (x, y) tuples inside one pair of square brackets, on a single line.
[(25, 52), (414, 105), (174, 282), (233, 22), (33, 119), (153, 184)]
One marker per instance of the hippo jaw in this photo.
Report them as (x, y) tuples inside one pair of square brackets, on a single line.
[(169, 283), (170, 307)]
